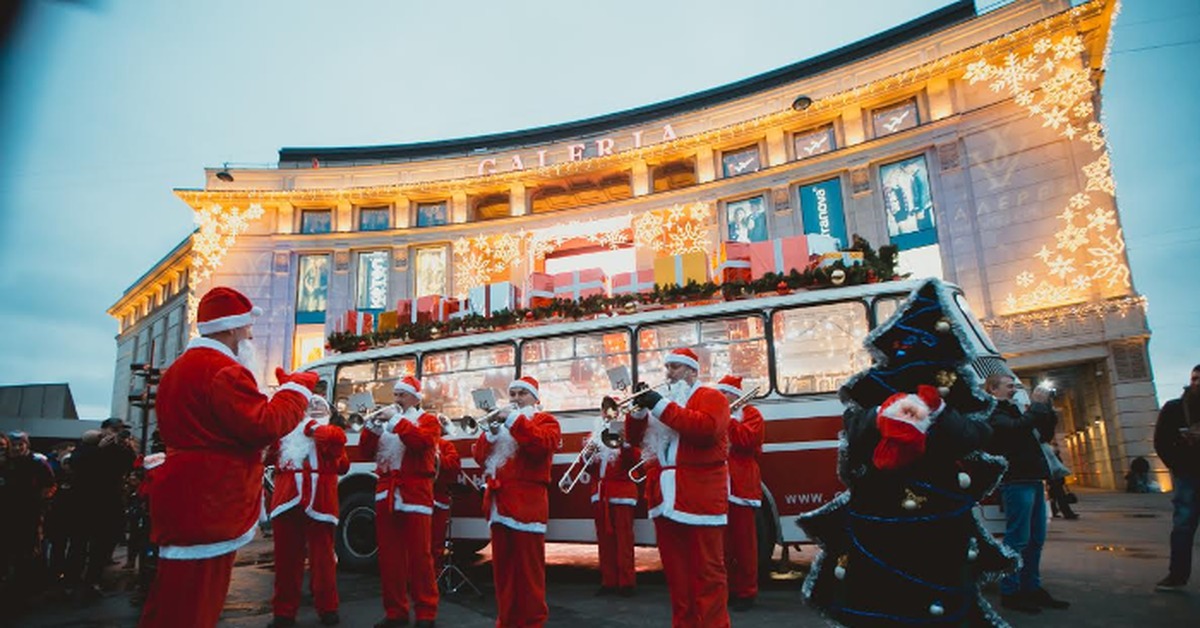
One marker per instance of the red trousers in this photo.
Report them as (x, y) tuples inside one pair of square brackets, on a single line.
[(693, 561), (437, 536), (614, 535), (741, 551), (519, 571), (188, 593), (405, 564), (292, 531)]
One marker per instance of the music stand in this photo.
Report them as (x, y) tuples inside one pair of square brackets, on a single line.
[(451, 578)]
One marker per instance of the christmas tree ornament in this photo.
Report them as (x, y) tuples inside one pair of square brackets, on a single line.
[(782, 288), (936, 609), (942, 326), (839, 571), (435, 331), (631, 307), (964, 480), (837, 277)]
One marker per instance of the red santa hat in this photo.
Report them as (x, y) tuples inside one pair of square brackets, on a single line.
[(222, 309), (409, 384), (527, 383), (731, 384), (684, 356), (903, 420)]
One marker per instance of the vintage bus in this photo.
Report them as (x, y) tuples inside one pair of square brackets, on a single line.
[(797, 348)]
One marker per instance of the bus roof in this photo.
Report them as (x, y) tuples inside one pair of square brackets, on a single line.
[(802, 297)]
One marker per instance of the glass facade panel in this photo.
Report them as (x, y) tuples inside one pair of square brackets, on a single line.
[(316, 221), (430, 276), (374, 218), (312, 289), (432, 214)]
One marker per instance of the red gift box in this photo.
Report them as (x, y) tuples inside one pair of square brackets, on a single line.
[(357, 322), (735, 265), (578, 284), (429, 309), (641, 281), (541, 290), (779, 256)]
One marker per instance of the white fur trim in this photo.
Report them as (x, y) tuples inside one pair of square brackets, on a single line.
[(294, 387), (440, 505), (521, 526), (622, 501), (742, 501), (675, 358), (402, 386), (285, 506), (659, 407), (667, 508), (201, 342), (229, 322), (402, 506), (726, 388), (154, 460), (519, 383), (892, 411), (207, 550)]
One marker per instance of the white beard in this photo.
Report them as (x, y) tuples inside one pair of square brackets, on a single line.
[(295, 448), (390, 453), (503, 449), (678, 391), (247, 356)]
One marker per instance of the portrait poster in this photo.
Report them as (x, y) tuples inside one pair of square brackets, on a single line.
[(431, 272), (747, 220), (431, 214), (822, 211), (908, 203), (312, 291)]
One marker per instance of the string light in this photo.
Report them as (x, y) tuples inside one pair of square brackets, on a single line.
[(1079, 313), (218, 229)]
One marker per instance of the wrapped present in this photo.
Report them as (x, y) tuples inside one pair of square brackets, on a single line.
[(641, 281), (819, 244), (847, 258), (578, 284), (427, 309), (678, 270), (357, 322), (735, 262), (388, 321), (779, 256), (494, 297), (541, 290)]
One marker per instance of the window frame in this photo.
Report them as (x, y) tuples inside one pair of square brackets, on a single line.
[(386, 210), (313, 211), (867, 314)]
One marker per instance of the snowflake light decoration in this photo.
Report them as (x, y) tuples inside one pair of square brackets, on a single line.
[(218, 229), (485, 259), (676, 230)]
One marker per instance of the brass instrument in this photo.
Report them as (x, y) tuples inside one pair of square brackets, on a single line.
[(737, 404), (492, 420), (612, 408), (372, 420), (578, 471), (636, 473)]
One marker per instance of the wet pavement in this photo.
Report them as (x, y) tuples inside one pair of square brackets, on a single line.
[(1105, 563)]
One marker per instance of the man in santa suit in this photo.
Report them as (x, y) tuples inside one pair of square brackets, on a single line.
[(614, 496), (745, 495), (304, 510), (405, 450), (215, 423), (516, 456), (687, 488), (448, 467)]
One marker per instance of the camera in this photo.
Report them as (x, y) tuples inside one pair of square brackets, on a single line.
[(125, 434)]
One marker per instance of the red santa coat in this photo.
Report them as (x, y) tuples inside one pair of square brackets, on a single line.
[(206, 496), (405, 453), (610, 481), (516, 494), (689, 482), (449, 466), (746, 431), (307, 470)]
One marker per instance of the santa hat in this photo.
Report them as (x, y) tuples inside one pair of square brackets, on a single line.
[(684, 356), (409, 384), (731, 384), (222, 309), (527, 383), (903, 420)]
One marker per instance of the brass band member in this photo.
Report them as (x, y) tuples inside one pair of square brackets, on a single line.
[(405, 450), (687, 490), (449, 467), (745, 495), (614, 497), (516, 455)]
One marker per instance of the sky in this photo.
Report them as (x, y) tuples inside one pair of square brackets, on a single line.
[(106, 106)]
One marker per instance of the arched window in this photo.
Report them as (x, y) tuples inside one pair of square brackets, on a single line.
[(674, 175), (492, 206)]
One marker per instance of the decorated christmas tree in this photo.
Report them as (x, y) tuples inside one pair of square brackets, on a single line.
[(904, 545)]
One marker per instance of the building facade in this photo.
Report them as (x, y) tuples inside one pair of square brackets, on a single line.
[(970, 141)]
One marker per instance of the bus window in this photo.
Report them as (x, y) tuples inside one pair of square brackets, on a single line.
[(388, 372), (377, 379), (819, 347), (351, 379), (572, 371), (885, 307), (448, 377), (726, 345)]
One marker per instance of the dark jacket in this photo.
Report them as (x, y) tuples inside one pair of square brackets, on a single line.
[(1180, 457), (1015, 438)]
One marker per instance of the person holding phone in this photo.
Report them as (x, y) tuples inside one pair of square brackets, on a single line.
[(1177, 442)]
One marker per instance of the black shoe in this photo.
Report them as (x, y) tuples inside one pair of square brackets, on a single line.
[(331, 618), (626, 591), (1170, 583), (426, 623), (282, 622), (742, 604), (391, 623), (605, 591), (1042, 598), (1071, 516), (1020, 602)]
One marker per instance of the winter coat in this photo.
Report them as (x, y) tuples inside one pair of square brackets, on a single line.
[(1180, 456), (1015, 439)]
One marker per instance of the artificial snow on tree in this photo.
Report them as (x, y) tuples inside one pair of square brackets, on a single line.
[(904, 544)]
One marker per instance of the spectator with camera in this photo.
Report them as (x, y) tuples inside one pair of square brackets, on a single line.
[(1017, 437), (1177, 442), (99, 467)]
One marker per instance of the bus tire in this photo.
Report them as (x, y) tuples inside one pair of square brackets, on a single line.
[(764, 528), (354, 540)]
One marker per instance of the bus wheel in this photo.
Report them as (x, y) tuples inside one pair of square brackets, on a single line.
[(355, 539), (764, 528)]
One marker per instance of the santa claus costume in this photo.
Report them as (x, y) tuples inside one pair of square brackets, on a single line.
[(206, 496), (449, 466), (687, 490), (405, 451), (516, 458), (304, 511), (614, 497), (746, 431)]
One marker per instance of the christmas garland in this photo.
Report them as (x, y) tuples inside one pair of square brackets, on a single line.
[(876, 266)]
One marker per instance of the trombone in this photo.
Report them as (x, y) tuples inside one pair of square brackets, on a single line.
[(578, 471), (612, 408)]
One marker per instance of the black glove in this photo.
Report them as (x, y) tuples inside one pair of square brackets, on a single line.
[(648, 399), (640, 386)]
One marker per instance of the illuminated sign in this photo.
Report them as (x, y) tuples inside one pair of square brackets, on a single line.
[(601, 147)]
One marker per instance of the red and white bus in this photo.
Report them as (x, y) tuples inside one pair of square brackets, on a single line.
[(798, 348)]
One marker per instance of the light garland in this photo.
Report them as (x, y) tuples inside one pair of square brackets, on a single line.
[(676, 230), (218, 230), (1081, 312), (485, 259)]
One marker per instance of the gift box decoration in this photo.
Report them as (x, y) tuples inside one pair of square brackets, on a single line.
[(847, 258), (819, 244), (357, 322), (735, 263), (494, 297), (678, 270), (578, 284), (541, 290), (388, 321), (427, 309), (779, 256), (640, 282)]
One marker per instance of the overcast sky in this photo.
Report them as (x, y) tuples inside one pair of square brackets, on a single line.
[(108, 105)]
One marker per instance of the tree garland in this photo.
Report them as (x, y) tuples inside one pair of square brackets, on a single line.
[(876, 266)]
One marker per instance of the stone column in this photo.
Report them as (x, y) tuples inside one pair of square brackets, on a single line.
[(518, 201), (705, 165), (641, 178), (776, 147)]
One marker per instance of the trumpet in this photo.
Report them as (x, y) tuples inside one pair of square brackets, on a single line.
[(737, 404), (371, 420), (612, 408), (493, 419)]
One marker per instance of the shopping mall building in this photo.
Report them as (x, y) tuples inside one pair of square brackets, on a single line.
[(970, 141)]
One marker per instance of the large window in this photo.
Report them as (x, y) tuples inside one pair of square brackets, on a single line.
[(430, 276), (725, 346), (821, 210), (377, 379), (746, 220), (741, 161), (374, 218), (312, 288), (908, 203), (372, 289), (572, 371), (819, 347), (316, 221), (448, 377), (895, 118)]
